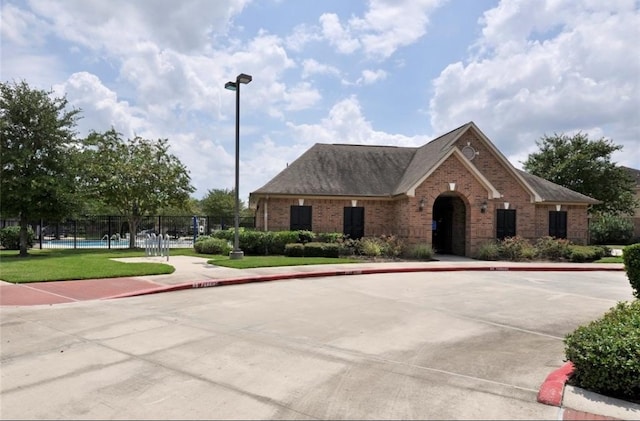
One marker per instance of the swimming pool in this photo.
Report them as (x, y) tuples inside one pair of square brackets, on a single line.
[(85, 243), (103, 244)]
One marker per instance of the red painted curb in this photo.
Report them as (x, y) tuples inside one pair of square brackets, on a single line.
[(346, 272), (552, 389)]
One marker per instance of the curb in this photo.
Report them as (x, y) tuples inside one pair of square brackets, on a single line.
[(552, 388), (347, 272)]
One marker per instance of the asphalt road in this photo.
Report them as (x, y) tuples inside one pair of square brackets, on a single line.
[(446, 345)]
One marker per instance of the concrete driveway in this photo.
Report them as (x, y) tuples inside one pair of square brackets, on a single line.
[(445, 345)]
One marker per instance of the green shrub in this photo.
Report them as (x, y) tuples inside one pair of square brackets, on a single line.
[(489, 250), (605, 353), (280, 239), (331, 250), (294, 250), (212, 246), (10, 237), (515, 248), (329, 237), (611, 229), (421, 252), (552, 248), (305, 236), (313, 249), (631, 259), (348, 246), (581, 254), (370, 247), (391, 246)]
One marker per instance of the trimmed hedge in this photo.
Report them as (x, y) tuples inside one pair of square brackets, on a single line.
[(312, 249), (631, 258), (294, 250), (210, 245), (606, 353)]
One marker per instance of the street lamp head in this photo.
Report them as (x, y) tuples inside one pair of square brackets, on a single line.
[(231, 86), (243, 78)]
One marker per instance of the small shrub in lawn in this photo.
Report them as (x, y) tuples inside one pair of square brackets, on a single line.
[(489, 250), (370, 247), (605, 353), (631, 259), (313, 249), (10, 237), (552, 248), (212, 246), (294, 250), (421, 252)]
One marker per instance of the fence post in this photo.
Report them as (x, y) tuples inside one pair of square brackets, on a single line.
[(109, 232), (41, 232), (75, 233)]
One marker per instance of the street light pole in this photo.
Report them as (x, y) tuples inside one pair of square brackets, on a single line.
[(236, 253)]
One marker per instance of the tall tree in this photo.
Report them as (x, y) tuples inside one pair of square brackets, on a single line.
[(135, 176), (38, 173), (220, 202), (585, 166)]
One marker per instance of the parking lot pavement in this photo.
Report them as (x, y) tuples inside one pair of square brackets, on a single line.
[(444, 345)]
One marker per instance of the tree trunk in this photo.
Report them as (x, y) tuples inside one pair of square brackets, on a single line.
[(133, 231), (24, 223)]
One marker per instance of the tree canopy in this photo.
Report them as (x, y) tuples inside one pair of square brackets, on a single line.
[(137, 177), (220, 202), (585, 166), (39, 171)]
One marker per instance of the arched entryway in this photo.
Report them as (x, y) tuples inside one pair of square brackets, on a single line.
[(449, 219)]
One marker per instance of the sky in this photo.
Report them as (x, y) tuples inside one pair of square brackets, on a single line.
[(378, 72)]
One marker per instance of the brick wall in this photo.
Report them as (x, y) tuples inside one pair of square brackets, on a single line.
[(403, 217)]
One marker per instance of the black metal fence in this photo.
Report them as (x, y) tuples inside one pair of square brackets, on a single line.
[(109, 231)]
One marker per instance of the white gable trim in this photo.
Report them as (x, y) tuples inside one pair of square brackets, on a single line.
[(492, 192), (535, 197)]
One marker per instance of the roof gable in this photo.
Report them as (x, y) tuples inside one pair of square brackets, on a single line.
[(387, 171)]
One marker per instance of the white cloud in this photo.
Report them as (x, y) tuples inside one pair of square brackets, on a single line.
[(371, 76), (346, 124), (337, 35), (101, 109), (386, 26), (301, 36), (312, 67), (302, 96), (564, 66), (118, 26)]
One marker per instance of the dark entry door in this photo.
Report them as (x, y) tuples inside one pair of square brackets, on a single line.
[(354, 222), (442, 235)]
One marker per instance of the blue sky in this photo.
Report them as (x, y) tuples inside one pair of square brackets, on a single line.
[(393, 72)]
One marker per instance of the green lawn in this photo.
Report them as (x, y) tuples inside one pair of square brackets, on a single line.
[(69, 264)]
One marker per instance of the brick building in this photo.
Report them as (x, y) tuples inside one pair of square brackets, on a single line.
[(453, 193)]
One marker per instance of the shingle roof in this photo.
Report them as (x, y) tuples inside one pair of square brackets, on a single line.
[(551, 192), (342, 170), (384, 171)]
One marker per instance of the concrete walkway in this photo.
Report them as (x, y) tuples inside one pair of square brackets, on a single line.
[(194, 272)]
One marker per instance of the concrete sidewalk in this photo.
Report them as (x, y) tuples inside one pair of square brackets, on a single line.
[(194, 272)]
